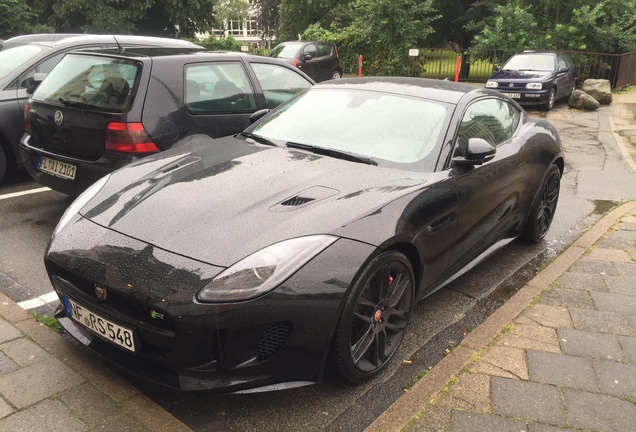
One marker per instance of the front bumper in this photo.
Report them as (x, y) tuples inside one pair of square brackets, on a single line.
[(279, 340), (525, 96)]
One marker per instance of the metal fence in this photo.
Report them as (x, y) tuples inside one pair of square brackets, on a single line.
[(477, 66)]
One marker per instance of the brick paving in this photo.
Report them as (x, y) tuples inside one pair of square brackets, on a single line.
[(566, 362)]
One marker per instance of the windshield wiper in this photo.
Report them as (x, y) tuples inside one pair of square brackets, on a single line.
[(259, 139), (334, 153), (76, 103)]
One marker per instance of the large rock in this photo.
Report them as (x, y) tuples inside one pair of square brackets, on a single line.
[(599, 89), (583, 101)]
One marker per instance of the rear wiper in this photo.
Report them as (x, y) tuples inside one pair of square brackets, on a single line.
[(259, 139), (76, 103), (334, 153)]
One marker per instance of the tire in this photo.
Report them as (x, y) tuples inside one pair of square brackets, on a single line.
[(375, 317), (336, 74), (544, 207), (551, 99), (3, 163)]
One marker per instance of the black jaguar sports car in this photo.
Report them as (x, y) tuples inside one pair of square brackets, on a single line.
[(250, 262)]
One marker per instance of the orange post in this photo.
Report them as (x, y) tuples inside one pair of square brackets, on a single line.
[(458, 66), (360, 66)]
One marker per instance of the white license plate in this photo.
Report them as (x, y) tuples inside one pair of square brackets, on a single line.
[(107, 329), (514, 95), (56, 168)]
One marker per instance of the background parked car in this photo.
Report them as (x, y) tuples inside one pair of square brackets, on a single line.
[(319, 60), (536, 78), (22, 57), (97, 111)]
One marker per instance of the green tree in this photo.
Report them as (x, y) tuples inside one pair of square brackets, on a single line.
[(18, 17), (603, 25), (382, 31), (297, 15), (267, 17), (147, 17)]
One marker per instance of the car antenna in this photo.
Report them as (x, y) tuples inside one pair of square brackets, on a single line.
[(121, 48)]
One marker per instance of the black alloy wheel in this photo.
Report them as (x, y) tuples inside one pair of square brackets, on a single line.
[(544, 207), (375, 317), (3, 163)]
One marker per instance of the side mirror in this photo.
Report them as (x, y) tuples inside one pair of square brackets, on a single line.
[(477, 152), (258, 114), (37, 79), (563, 70), (307, 57), (498, 68)]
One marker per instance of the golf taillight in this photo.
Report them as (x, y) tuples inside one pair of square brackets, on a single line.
[(129, 138), (295, 62), (27, 118)]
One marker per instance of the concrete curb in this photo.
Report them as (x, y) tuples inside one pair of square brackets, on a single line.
[(410, 404), (145, 411), (621, 140)]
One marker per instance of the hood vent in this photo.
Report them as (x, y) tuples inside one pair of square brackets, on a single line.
[(303, 198), (296, 201)]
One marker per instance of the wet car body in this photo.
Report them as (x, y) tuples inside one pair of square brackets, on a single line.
[(153, 235)]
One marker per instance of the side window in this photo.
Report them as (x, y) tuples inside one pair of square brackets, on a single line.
[(324, 50), (214, 88), (568, 60), (493, 120), (278, 82), (45, 67), (310, 49), (561, 63)]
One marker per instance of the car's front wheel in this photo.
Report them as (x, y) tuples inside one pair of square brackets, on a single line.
[(544, 207), (551, 99), (375, 317)]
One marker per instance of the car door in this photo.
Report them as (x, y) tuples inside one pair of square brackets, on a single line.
[(325, 61), (307, 60), (565, 81), (489, 195)]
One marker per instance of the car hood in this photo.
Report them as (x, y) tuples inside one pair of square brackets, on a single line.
[(521, 75), (223, 201)]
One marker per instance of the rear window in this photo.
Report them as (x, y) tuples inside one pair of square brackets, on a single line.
[(285, 51), (100, 83)]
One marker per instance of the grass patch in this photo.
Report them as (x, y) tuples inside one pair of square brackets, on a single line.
[(418, 377), (49, 321)]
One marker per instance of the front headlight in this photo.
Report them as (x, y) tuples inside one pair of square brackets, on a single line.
[(80, 202), (492, 84), (264, 270), (534, 86)]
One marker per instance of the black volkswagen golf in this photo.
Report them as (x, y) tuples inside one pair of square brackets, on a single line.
[(98, 111)]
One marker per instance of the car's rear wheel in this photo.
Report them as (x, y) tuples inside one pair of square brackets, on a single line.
[(336, 75), (551, 99), (375, 317), (544, 207)]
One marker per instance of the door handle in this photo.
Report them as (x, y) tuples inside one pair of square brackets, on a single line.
[(439, 224)]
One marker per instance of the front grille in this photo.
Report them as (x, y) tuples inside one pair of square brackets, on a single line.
[(272, 339)]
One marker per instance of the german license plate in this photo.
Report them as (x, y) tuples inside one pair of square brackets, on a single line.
[(56, 168), (513, 95), (107, 329)]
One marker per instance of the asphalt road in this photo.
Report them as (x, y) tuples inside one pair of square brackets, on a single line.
[(596, 179)]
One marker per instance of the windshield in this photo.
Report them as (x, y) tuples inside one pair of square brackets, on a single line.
[(99, 82), (285, 51), (12, 58), (531, 62), (381, 126)]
